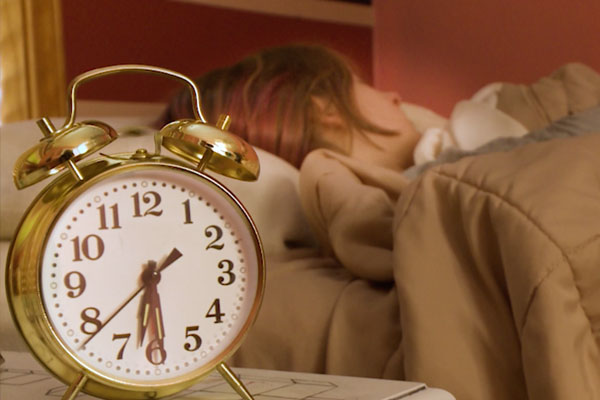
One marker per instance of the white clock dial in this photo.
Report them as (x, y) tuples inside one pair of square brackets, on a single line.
[(151, 274)]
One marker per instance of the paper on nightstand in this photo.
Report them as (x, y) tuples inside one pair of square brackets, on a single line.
[(21, 377)]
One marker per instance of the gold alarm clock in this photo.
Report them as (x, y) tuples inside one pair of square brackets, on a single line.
[(133, 276)]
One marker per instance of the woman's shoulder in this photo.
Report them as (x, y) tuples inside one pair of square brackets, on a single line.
[(322, 164)]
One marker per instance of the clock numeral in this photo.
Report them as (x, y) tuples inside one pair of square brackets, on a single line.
[(93, 252), (121, 336), (152, 199), (218, 232), (90, 320), (77, 284), (215, 312), (228, 266), (155, 352), (115, 217), (188, 212), (196, 339)]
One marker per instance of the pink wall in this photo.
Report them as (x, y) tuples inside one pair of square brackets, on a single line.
[(185, 37), (435, 53)]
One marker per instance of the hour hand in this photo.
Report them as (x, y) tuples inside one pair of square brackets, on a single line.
[(150, 301), (171, 258)]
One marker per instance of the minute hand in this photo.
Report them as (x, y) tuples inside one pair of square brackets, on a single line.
[(171, 258)]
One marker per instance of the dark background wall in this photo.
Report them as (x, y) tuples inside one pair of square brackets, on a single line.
[(188, 38), (438, 52), (431, 52)]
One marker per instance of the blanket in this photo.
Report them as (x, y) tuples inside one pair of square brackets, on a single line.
[(497, 262), (569, 90), (478, 273), (334, 309), (481, 277)]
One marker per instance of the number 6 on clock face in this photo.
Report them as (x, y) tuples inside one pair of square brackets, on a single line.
[(151, 273)]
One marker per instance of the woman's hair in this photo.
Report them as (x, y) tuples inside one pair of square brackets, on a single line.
[(270, 97)]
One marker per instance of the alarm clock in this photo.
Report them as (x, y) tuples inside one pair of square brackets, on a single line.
[(134, 275)]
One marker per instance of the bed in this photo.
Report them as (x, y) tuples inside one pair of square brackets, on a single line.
[(486, 283), (477, 272)]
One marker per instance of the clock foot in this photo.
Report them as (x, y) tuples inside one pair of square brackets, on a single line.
[(234, 381), (75, 387)]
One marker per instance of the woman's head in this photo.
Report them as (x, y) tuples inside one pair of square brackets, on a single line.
[(287, 100)]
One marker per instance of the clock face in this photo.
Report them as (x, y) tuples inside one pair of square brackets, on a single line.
[(150, 275)]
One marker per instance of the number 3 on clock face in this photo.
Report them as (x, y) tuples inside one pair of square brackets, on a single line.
[(151, 274)]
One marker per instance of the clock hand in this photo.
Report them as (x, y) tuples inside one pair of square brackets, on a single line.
[(150, 306), (172, 257), (160, 333), (149, 279), (122, 306), (151, 313)]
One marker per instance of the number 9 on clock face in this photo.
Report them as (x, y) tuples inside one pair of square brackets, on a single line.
[(151, 274)]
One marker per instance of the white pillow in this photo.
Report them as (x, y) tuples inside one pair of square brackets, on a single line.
[(423, 118)]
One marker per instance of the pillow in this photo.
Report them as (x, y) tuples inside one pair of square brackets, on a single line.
[(472, 123), (582, 123), (423, 118)]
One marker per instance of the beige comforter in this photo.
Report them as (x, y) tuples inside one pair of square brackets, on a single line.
[(481, 278), (497, 263)]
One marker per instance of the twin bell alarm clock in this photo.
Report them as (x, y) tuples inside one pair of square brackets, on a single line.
[(134, 275)]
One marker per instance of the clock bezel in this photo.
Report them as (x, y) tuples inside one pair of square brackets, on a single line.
[(24, 291)]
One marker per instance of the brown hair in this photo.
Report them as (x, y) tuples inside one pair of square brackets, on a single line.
[(270, 98)]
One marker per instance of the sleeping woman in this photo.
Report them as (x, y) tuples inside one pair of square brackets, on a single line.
[(336, 311), (294, 99)]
